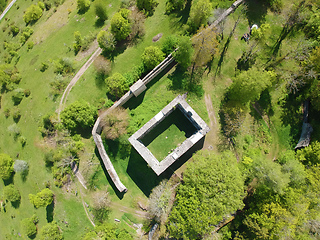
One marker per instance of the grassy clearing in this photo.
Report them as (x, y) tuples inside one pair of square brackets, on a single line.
[(168, 135)]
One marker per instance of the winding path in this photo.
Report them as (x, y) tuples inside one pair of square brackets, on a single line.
[(7, 9), (75, 80)]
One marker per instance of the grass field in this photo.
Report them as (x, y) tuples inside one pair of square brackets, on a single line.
[(168, 134)]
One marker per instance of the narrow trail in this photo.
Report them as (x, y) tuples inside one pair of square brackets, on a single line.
[(211, 138), (78, 174), (85, 209), (76, 78), (7, 9), (121, 208)]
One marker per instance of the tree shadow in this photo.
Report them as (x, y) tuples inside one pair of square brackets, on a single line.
[(99, 23), (120, 47), (100, 80), (9, 181), (16, 204), (49, 211), (256, 11)]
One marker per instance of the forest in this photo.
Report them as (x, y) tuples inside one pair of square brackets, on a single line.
[(252, 75)]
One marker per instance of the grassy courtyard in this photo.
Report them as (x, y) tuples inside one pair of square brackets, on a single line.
[(168, 134)]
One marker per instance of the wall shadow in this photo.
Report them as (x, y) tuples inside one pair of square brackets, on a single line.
[(115, 189), (177, 118)]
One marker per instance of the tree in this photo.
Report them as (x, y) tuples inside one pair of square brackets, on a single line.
[(116, 85), (151, 57), (41, 199), (83, 5), (199, 13), (175, 5), (77, 41), (32, 14), (101, 10), (29, 226), (169, 44), (158, 202), (115, 123), (120, 26), (184, 53), (108, 231), (106, 41), (21, 167), (6, 166), (11, 193), (78, 115), (310, 155), (205, 46), (147, 6), (248, 85), (17, 96), (101, 204), (136, 19), (102, 66), (50, 231), (204, 198)]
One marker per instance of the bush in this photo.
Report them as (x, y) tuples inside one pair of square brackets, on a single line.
[(78, 115), (63, 66), (6, 166), (27, 92), (14, 30), (117, 85), (41, 199), (136, 19), (106, 41), (32, 14), (11, 193), (15, 130), (77, 42), (120, 26), (151, 57), (83, 5), (22, 140), (44, 66), (29, 227), (175, 5), (102, 65), (16, 114), (147, 6), (17, 96), (170, 43), (30, 45), (7, 112), (21, 167), (50, 231)]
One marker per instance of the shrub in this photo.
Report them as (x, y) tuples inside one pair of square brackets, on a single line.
[(169, 44), (120, 26), (63, 66), (14, 30), (17, 96), (102, 66), (16, 114), (30, 45), (7, 112), (6, 166), (44, 66), (15, 130), (115, 123), (77, 42), (106, 41), (22, 140), (32, 14), (29, 227), (11, 193), (83, 5), (78, 115), (147, 6), (27, 92), (151, 57), (41, 199), (175, 5), (116, 85), (50, 231), (21, 167)]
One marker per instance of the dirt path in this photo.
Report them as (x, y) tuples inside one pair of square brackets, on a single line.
[(85, 208), (75, 79), (78, 174), (7, 9), (211, 139), (121, 208)]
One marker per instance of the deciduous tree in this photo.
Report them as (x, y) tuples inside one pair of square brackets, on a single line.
[(116, 85), (41, 199), (50, 231), (199, 13), (6, 166), (148, 6), (83, 5), (120, 25), (33, 13), (106, 41), (184, 53), (115, 123), (151, 57), (11, 193)]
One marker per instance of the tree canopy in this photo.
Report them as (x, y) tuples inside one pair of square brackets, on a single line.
[(120, 25), (199, 13), (108, 231), (117, 85), (6, 166), (212, 188), (106, 41), (148, 6), (151, 57), (78, 115), (11, 193), (184, 53), (50, 231), (41, 199), (33, 13)]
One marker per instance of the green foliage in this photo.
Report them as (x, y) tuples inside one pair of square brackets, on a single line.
[(25, 35), (120, 25), (310, 155), (169, 44), (16, 114), (151, 57), (9, 75), (117, 85), (248, 85), (83, 5), (14, 30), (78, 115), (175, 5), (108, 231), (184, 54), (29, 227), (106, 41), (77, 41), (30, 45), (21, 167), (261, 33), (17, 96), (44, 66), (204, 198), (32, 14), (147, 6), (50, 231), (101, 10), (15, 130), (199, 13), (6, 166), (11, 193), (63, 66), (41, 199)]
